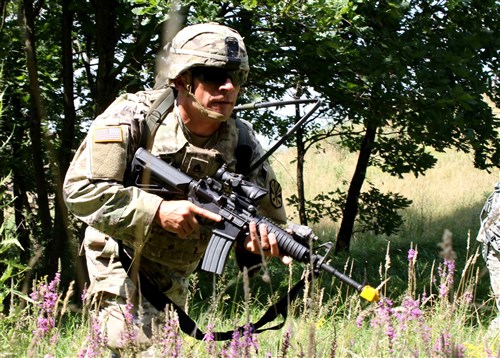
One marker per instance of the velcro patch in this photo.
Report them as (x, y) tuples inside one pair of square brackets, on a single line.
[(108, 134), (275, 194)]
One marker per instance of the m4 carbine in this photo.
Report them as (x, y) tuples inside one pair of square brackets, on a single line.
[(236, 201)]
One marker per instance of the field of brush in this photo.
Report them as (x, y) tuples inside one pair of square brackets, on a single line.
[(436, 299)]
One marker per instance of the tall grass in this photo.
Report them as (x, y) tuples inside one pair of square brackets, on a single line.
[(448, 194), (435, 291)]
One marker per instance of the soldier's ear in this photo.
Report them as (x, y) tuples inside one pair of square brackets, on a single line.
[(179, 83), (184, 82)]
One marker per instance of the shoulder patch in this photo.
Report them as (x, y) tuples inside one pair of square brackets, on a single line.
[(275, 193), (108, 134)]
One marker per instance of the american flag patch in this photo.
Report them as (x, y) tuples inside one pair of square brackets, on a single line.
[(108, 134)]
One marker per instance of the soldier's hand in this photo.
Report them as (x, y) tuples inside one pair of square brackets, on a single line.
[(179, 217), (261, 242)]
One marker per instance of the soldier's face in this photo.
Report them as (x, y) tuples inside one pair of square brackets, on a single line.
[(216, 89)]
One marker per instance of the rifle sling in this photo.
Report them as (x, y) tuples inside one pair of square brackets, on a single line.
[(161, 301)]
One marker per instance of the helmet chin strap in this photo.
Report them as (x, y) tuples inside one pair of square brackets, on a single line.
[(216, 116)]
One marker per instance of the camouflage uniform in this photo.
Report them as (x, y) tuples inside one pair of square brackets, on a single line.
[(95, 193), (489, 235), (95, 188)]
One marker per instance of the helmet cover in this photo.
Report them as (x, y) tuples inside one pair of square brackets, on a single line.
[(208, 45)]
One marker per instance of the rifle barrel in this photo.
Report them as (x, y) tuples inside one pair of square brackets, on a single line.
[(365, 291)]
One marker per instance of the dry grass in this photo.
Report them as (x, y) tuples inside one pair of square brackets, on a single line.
[(453, 186)]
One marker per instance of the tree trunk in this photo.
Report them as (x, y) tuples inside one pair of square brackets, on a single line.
[(106, 41), (26, 226), (64, 242), (68, 125), (21, 203), (351, 205), (37, 114), (21, 206), (301, 153)]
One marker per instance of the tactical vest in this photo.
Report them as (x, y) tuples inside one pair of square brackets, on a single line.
[(188, 159)]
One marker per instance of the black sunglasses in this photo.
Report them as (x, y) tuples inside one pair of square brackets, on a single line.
[(219, 76)]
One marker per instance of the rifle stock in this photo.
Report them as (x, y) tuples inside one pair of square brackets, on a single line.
[(236, 201)]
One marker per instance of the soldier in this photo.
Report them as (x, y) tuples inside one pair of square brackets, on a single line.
[(205, 64), (489, 236)]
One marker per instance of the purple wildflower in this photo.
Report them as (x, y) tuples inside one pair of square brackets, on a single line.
[(425, 333), (128, 336), (446, 271), (359, 321), (171, 342), (410, 311), (243, 342), (84, 295), (468, 297), (443, 344), (44, 325), (95, 342), (46, 298), (459, 351), (412, 253), (384, 318), (390, 332), (210, 341), (286, 343), (249, 340), (235, 345)]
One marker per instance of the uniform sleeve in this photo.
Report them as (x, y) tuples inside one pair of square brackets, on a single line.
[(94, 188)]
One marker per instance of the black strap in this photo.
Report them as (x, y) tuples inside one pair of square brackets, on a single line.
[(160, 301), (244, 149)]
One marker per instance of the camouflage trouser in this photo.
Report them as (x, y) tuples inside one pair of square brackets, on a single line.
[(129, 323), (128, 327), (493, 264), (127, 319)]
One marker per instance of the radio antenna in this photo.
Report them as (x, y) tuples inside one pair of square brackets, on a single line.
[(301, 121)]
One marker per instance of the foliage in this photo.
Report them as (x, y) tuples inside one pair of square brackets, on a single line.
[(398, 78), (11, 267), (379, 212), (76, 81)]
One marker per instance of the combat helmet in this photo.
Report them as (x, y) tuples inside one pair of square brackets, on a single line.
[(208, 44)]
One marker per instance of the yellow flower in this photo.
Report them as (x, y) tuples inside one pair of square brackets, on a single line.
[(320, 323), (474, 350)]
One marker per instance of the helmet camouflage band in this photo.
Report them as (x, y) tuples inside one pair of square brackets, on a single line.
[(207, 44)]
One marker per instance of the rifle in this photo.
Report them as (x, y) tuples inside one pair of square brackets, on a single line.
[(236, 201)]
